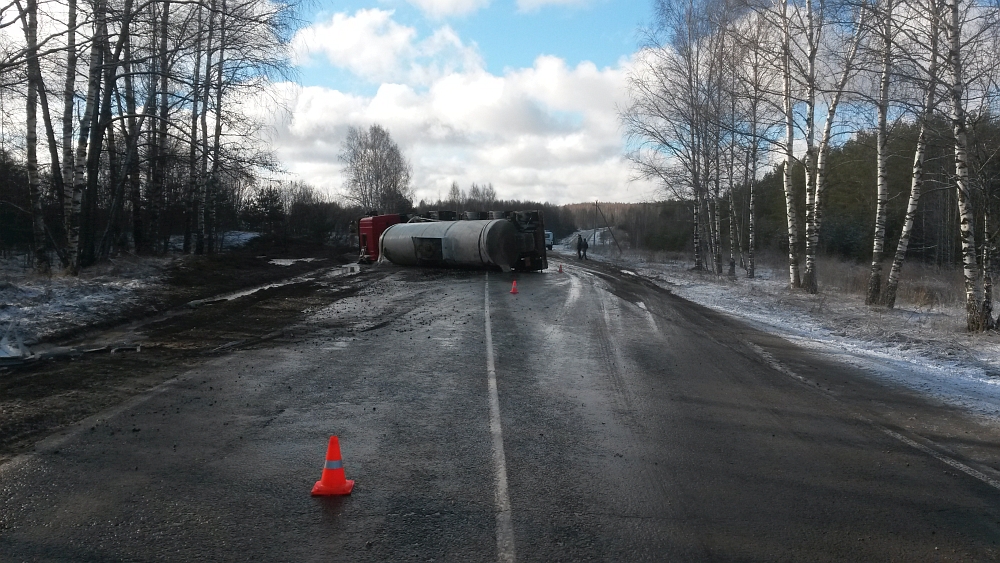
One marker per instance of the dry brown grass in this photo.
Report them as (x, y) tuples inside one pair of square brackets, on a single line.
[(921, 285)]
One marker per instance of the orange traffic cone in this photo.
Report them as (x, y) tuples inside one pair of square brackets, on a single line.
[(513, 288), (333, 481), (560, 268)]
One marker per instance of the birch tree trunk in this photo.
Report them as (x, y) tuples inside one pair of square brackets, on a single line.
[(201, 231), (161, 166), (953, 29), (104, 244), (93, 160), (30, 20), (733, 243), (917, 179), (874, 293), (132, 143), (715, 225), (80, 161), (814, 33), (193, 209), (96, 247), (986, 312), (158, 129), (50, 134), (697, 235), (820, 184), (792, 214), (752, 211), (69, 95), (217, 138)]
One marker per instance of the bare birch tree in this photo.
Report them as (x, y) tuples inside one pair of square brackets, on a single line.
[(930, 21), (885, 35), (954, 19), (29, 16), (377, 175)]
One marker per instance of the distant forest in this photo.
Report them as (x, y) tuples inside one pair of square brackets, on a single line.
[(294, 209)]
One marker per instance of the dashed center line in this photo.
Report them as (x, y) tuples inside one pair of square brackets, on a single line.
[(505, 528)]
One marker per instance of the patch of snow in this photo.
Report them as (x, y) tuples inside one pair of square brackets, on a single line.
[(228, 241), (11, 343), (236, 239), (290, 261), (44, 306)]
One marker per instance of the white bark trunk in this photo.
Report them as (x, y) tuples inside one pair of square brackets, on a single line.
[(959, 128), (80, 163), (193, 200), (813, 34), (792, 214), (69, 94), (217, 138), (917, 179), (874, 293), (200, 229), (30, 20)]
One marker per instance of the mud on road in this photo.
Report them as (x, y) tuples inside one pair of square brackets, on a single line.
[(96, 367)]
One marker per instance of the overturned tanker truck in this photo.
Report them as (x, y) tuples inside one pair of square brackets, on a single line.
[(504, 240)]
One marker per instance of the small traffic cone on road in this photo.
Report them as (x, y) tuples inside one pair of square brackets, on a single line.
[(513, 288), (560, 268), (333, 482)]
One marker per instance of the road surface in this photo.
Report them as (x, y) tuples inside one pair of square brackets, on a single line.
[(592, 416)]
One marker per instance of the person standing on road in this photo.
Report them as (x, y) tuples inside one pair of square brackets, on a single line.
[(579, 245), (585, 245)]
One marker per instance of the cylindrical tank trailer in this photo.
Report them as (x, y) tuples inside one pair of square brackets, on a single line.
[(469, 244), (508, 240)]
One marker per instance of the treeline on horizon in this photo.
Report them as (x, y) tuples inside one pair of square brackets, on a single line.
[(296, 210)]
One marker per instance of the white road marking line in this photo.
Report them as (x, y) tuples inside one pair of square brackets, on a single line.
[(505, 527), (575, 288), (943, 458), (649, 317), (774, 363)]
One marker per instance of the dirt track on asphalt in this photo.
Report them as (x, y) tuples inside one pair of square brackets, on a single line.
[(96, 367)]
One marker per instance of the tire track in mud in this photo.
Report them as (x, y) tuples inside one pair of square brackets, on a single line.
[(42, 397), (622, 373)]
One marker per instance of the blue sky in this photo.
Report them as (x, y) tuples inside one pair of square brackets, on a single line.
[(600, 31), (520, 93)]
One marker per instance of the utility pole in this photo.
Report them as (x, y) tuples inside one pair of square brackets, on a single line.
[(594, 233), (607, 226)]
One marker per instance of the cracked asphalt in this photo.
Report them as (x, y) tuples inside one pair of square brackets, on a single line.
[(636, 427)]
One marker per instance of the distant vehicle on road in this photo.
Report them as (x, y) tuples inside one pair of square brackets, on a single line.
[(549, 240)]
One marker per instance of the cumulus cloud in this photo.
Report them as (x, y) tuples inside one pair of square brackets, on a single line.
[(532, 5), (444, 8), (549, 132), (369, 43), (372, 46)]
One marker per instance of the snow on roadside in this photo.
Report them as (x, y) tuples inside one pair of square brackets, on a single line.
[(46, 306), (924, 349), (43, 306)]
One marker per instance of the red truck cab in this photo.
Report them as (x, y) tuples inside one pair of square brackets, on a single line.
[(370, 229)]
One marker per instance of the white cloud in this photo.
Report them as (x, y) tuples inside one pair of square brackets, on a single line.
[(444, 8), (532, 5), (372, 46), (369, 43), (549, 132)]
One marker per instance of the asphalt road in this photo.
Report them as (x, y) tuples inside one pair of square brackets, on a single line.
[(625, 424)]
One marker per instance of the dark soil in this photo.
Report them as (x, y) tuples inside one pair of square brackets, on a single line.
[(38, 398)]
